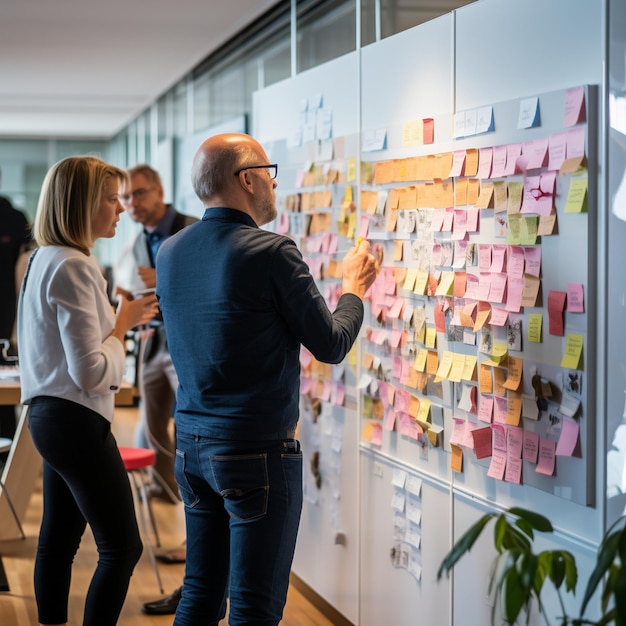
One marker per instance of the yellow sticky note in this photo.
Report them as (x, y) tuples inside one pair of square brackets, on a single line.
[(535, 321), (456, 372), (409, 281), (420, 360), (431, 337), (470, 367), (445, 284), (420, 282), (424, 411), (351, 169), (577, 196), (528, 234), (445, 364), (573, 352), (351, 225)]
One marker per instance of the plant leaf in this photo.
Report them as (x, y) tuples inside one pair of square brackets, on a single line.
[(571, 571), (527, 567), (525, 527), (515, 596), (606, 556), (619, 596), (499, 533), (557, 571), (544, 564), (514, 540), (538, 522), (463, 545)]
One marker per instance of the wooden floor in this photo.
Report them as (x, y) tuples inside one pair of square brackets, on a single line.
[(17, 607)]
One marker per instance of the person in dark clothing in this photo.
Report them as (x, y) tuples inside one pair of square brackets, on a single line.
[(134, 272), (237, 303), (14, 239)]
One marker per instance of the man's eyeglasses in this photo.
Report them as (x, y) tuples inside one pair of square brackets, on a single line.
[(272, 169), (138, 194)]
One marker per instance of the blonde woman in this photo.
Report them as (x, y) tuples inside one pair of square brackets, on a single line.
[(72, 360)]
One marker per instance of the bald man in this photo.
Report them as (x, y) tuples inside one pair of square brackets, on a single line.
[(237, 303)]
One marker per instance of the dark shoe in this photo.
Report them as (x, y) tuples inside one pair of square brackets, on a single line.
[(169, 559), (165, 606)]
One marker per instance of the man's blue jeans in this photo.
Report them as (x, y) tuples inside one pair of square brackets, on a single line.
[(242, 510)]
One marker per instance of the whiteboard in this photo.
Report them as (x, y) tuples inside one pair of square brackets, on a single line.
[(468, 59), (471, 41)]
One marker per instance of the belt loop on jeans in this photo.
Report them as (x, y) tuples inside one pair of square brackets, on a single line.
[(291, 446)]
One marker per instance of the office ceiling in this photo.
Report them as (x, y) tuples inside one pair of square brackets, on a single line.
[(86, 68)]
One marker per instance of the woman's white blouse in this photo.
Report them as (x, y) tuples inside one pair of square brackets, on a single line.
[(64, 328)]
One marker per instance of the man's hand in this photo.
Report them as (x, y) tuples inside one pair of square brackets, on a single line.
[(147, 275), (359, 269)]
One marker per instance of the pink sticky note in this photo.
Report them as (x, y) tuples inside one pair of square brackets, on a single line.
[(499, 437), (460, 224), (377, 434), (531, 446), (484, 256), (535, 151), (458, 161), (498, 316), (498, 465), (497, 289), (482, 442), (472, 220), (283, 224), (568, 439), (533, 261), (339, 394), (390, 419), (514, 441), (458, 430), (547, 458), (429, 130), (485, 158), (365, 224), (556, 305), (515, 291), (513, 150), (574, 106), (576, 142), (513, 472), (515, 261), (486, 408), (402, 400), (575, 298), (484, 286), (498, 166), (557, 145), (498, 262), (500, 409), (471, 286)]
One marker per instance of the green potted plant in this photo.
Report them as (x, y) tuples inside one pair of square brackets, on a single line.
[(518, 574)]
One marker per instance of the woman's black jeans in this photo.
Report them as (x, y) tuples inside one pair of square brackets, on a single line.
[(84, 482)]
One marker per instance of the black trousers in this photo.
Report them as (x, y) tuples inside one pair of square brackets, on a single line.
[(84, 482)]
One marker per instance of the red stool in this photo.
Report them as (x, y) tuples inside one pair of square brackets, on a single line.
[(137, 461)]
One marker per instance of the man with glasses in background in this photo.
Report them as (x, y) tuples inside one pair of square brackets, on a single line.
[(237, 303), (133, 274)]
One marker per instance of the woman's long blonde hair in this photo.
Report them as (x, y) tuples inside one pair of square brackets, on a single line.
[(70, 197)]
